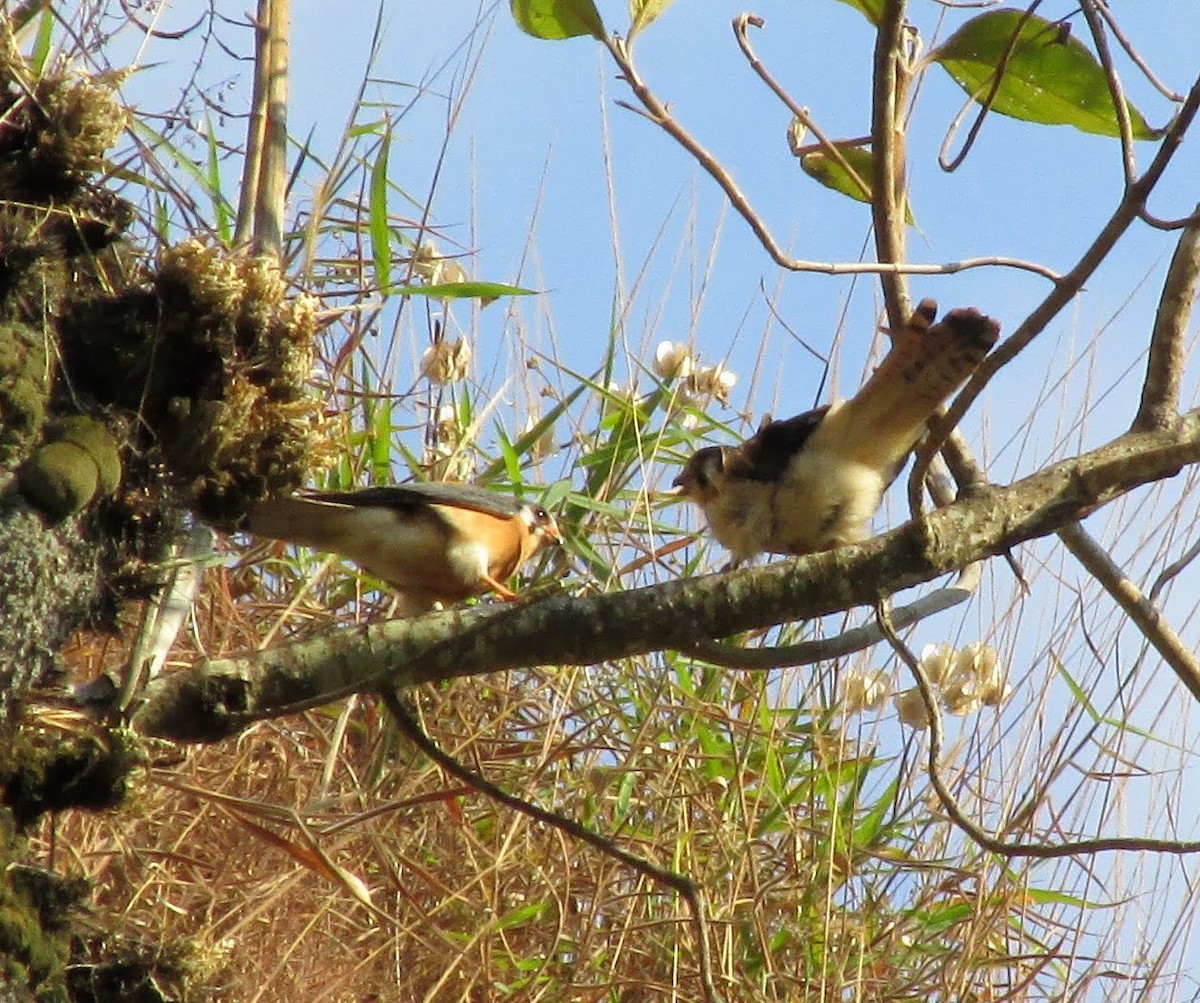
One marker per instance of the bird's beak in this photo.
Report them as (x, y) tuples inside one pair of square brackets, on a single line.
[(676, 492)]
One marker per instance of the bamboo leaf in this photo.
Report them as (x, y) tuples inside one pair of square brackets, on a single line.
[(487, 291)]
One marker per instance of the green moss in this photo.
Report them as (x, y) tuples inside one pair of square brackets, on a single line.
[(58, 480), (36, 907), (93, 438), (24, 389), (50, 771)]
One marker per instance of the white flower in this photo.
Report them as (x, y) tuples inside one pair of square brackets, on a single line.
[(936, 660), (865, 691), (435, 270), (446, 361), (672, 361), (713, 381), (912, 710), (992, 679), (543, 445)]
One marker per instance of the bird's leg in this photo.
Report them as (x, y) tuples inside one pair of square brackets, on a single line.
[(502, 590)]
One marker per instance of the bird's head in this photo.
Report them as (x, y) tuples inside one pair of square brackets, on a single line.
[(541, 530), (701, 477)]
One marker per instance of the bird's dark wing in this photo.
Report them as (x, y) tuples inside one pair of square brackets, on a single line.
[(418, 494), (766, 454)]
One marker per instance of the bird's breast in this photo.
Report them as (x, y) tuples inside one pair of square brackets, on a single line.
[(824, 500)]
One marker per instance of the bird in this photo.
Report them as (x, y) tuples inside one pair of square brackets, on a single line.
[(813, 482), (431, 541)]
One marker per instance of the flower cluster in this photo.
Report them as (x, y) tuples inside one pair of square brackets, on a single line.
[(446, 361), (434, 269), (697, 384), (445, 457), (965, 680)]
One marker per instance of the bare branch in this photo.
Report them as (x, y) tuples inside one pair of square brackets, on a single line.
[(951, 164), (1138, 608), (1128, 209), (959, 817), (847, 642), (1134, 55), (740, 23), (1117, 92), (1164, 367), (660, 116), (889, 90)]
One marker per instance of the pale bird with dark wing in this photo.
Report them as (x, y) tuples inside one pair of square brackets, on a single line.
[(814, 481), (431, 541)]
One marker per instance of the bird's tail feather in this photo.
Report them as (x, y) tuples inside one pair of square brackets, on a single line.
[(926, 364)]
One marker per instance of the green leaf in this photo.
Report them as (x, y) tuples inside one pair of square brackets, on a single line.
[(41, 47), (820, 166), (554, 19), (872, 10), (642, 13), (462, 290), (1048, 76), (381, 246), (222, 218)]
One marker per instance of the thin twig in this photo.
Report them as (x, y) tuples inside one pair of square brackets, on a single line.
[(1132, 202), (687, 889), (847, 642), (1137, 607), (985, 106), (660, 116), (1159, 223), (1115, 90), (740, 23), (1164, 368), (972, 829), (256, 125), (890, 190), (1134, 55), (1174, 569)]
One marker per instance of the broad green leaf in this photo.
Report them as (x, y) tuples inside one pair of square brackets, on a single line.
[(820, 166), (462, 290), (554, 19), (872, 10), (643, 12), (1048, 76)]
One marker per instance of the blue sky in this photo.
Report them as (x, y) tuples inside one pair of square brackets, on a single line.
[(523, 179)]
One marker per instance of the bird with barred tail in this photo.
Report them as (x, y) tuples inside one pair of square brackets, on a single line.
[(814, 481), (431, 541)]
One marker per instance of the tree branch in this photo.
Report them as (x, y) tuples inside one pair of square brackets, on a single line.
[(1132, 204), (217, 698), (889, 189), (1137, 607), (658, 113), (1164, 368)]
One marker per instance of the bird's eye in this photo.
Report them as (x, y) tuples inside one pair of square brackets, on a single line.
[(540, 514)]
